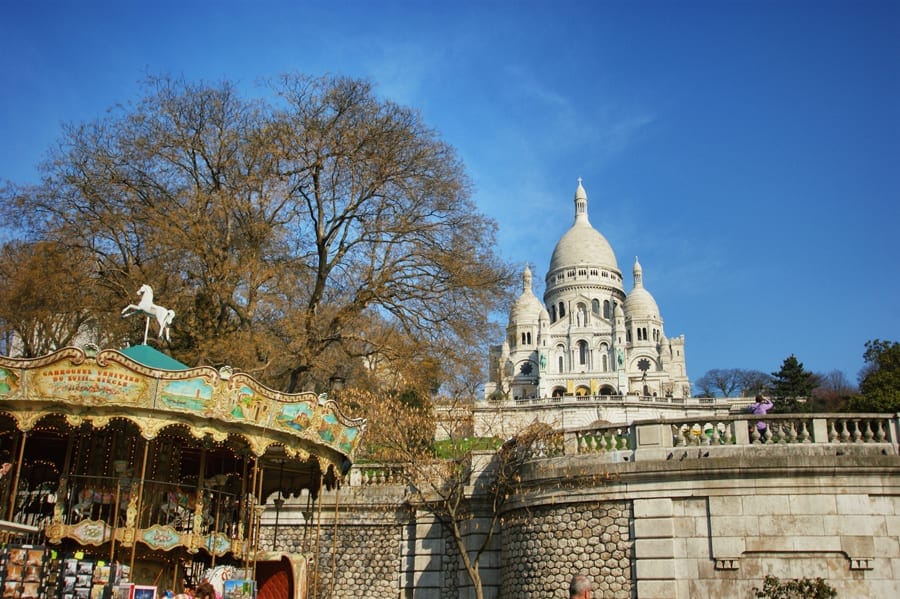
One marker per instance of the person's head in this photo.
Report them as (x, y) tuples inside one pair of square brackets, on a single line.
[(580, 587), (205, 591), (759, 399)]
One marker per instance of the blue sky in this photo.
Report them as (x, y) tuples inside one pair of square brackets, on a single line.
[(747, 152)]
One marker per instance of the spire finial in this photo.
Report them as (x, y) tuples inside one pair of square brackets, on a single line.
[(580, 202), (638, 273)]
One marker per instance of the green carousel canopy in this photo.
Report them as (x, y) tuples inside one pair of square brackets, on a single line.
[(153, 358)]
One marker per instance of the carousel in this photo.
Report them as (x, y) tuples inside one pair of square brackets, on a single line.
[(128, 467)]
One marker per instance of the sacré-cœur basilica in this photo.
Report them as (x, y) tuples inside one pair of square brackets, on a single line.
[(588, 337)]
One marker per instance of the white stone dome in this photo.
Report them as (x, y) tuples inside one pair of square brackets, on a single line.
[(640, 303), (582, 244), (527, 308)]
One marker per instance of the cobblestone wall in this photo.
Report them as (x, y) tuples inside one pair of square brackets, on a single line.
[(544, 547), (366, 559)]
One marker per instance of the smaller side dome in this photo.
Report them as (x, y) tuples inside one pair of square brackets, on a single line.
[(527, 308), (639, 303)]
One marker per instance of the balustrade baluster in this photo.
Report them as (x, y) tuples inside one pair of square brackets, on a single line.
[(845, 432), (792, 431), (729, 436), (857, 434), (773, 432), (868, 435), (804, 432), (880, 435), (602, 442), (832, 432), (755, 437)]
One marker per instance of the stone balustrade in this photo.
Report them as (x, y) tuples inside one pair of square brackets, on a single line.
[(643, 440), (616, 399), (735, 430)]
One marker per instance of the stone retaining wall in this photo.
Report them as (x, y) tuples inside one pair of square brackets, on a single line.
[(663, 510), (542, 548)]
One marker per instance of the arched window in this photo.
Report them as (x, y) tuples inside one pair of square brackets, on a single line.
[(606, 313), (595, 306), (523, 338), (562, 309), (605, 359), (560, 364), (582, 352), (628, 336), (552, 313)]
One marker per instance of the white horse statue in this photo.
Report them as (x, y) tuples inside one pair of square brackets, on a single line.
[(146, 307)]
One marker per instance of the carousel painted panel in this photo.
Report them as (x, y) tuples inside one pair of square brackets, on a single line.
[(90, 532), (9, 383), (162, 537), (246, 403), (193, 395), (338, 435), (297, 417), (89, 384), (217, 544)]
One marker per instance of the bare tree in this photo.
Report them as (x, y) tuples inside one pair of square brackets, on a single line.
[(719, 381), (727, 382), (834, 386), (44, 298), (324, 232)]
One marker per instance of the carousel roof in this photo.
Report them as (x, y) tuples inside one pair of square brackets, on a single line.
[(153, 358)]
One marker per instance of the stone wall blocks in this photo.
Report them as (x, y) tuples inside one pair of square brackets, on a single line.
[(654, 589), (653, 548), (654, 528), (766, 504), (858, 546), (823, 543), (853, 504), (655, 569), (887, 547), (767, 544), (726, 506), (734, 526), (696, 506), (788, 525), (855, 525), (652, 508), (809, 504)]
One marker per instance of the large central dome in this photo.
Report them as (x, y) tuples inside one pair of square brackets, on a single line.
[(582, 244)]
